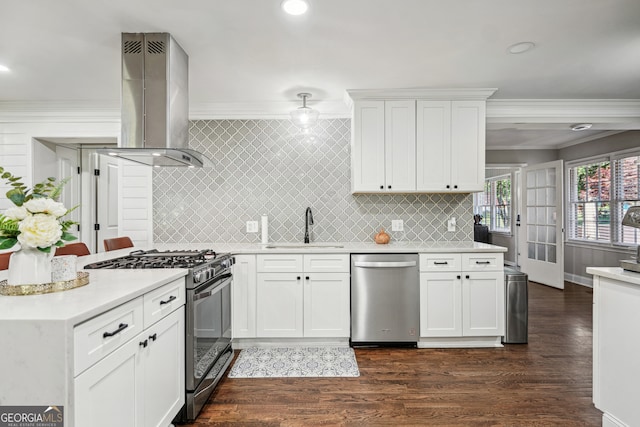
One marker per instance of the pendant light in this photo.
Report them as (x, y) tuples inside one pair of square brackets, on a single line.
[(304, 117)]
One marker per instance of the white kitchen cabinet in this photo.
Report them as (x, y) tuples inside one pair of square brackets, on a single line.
[(461, 295), (312, 302), (244, 297), (440, 305), (279, 307), (450, 146), (132, 381), (384, 147)]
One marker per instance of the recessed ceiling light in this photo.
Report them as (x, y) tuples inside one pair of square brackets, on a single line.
[(581, 126), (521, 47), (4, 68), (295, 7)]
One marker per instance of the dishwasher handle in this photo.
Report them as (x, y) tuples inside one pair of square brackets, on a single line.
[(385, 264)]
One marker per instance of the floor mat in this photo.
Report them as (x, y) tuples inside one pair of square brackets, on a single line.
[(295, 362)]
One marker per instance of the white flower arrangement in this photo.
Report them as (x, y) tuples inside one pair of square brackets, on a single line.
[(35, 221)]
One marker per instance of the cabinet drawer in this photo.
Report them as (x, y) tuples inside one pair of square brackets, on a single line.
[(162, 301), (329, 263), (96, 338), (482, 262), (440, 262), (279, 263)]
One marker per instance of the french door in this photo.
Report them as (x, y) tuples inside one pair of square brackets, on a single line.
[(542, 233)]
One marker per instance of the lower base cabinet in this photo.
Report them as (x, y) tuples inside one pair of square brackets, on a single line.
[(139, 384), (461, 295)]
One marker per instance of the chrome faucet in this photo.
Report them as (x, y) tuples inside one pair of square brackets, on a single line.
[(308, 220)]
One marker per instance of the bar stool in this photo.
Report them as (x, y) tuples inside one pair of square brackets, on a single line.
[(4, 260), (78, 248), (117, 243)]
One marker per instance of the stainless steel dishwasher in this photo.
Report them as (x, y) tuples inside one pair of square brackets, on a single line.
[(385, 299)]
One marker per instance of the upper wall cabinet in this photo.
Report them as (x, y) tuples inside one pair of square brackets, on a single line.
[(418, 141)]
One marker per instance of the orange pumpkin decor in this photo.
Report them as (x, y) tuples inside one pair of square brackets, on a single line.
[(382, 238)]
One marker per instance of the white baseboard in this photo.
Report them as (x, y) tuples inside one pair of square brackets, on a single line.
[(242, 343), (579, 280), (460, 342), (609, 420)]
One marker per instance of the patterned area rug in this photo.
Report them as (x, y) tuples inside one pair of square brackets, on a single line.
[(295, 362)]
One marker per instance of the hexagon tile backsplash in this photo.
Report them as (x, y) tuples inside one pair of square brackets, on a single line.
[(268, 167)]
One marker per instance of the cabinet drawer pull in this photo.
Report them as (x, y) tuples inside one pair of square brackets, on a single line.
[(483, 262), (171, 298), (458, 276), (307, 278), (455, 186), (381, 187), (440, 263), (144, 343), (298, 278), (153, 337), (121, 327), (466, 277), (448, 186)]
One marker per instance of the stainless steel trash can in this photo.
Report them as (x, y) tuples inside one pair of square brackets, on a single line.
[(516, 307)]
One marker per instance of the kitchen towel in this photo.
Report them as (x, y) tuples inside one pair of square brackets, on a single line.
[(295, 362)]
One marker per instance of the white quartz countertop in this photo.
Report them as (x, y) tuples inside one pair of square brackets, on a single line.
[(106, 289), (336, 247), (616, 273)]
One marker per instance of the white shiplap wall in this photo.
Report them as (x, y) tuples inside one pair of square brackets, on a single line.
[(20, 127)]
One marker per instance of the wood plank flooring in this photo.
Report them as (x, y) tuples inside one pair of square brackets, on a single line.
[(544, 383)]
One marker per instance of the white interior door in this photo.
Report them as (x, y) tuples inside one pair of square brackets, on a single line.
[(107, 200), (541, 234), (67, 164)]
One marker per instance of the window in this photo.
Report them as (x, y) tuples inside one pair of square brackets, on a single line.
[(494, 204), (600, 192)]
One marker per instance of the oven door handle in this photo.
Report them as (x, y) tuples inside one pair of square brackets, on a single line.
[(210, 290)]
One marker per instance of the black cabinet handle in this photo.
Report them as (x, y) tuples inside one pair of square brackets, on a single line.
[(389, 187), (298, 278), (440, 263), (455, 186), (153, 337), (448, 186), (483, 262), (467, 276), (171, 298), (121, 327), (144, 343), (307, 277), (382, 187), (458, 276)]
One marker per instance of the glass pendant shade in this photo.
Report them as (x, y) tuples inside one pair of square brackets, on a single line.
[(304, 117)]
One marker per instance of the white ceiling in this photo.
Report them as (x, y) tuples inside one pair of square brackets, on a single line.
[(246, 55)]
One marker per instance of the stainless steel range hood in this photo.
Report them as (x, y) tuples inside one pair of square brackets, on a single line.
[(155, 103)]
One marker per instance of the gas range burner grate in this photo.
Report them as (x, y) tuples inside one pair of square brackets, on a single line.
[(157, 259)]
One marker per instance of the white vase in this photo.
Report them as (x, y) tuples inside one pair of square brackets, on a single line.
[(29, 266)]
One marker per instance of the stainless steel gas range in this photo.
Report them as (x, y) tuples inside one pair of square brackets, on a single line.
[(208, 350)]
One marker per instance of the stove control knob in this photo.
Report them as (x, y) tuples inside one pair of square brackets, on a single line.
[(197, 277)]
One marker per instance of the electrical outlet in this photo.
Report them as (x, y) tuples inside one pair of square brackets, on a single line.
[(451, 224), (252, 226), (397, 225)]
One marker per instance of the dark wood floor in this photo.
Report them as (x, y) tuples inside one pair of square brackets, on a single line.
[(544, 383)]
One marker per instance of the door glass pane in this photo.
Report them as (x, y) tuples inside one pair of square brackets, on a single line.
[(551, 234), (531, 233), (531, 250), (541, 197), (531, 215), (541, 178), (542, 233), (541, 216), (551, 216), (531, 179), (551, 176), (541, 252), (551, 253), (531, 197), (551, 196)]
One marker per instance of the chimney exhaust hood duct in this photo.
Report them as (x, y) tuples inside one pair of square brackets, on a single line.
[(155, 103)]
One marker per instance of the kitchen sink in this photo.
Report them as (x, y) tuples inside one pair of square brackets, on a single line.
[(303, 246)]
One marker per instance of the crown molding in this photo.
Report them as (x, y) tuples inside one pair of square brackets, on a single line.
[(428, 93), (562, 110), (498, 110)]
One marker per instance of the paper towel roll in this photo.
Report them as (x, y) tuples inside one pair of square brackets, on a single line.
[(265, 229)]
